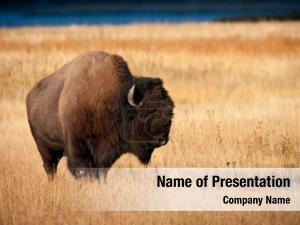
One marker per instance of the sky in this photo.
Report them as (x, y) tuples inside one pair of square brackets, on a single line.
[(67, 12)]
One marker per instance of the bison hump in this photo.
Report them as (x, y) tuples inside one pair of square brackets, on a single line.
[(92, 85)]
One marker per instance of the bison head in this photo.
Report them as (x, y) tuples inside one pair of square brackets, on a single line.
[(148, 117)]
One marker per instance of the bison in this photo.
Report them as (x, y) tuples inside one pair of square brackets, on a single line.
[(93, 110)]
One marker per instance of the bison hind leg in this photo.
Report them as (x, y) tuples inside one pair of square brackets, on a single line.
[(50, 158)]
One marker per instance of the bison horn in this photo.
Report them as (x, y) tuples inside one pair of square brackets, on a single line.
[(130, 96)]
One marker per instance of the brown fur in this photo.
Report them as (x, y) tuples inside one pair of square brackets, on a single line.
[(78, 110)]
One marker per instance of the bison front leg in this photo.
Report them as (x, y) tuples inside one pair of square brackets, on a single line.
[(80, 159)]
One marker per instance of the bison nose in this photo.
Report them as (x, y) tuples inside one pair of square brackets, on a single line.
[(163, 140)]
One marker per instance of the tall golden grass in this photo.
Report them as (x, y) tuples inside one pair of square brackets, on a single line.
[(236, 87)]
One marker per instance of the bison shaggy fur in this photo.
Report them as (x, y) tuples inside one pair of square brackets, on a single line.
[(93, 110)]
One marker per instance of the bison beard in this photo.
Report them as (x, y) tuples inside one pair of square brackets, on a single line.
[(93, 110), (145, 156)]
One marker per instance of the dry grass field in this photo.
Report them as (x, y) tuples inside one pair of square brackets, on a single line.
[(236, 87)]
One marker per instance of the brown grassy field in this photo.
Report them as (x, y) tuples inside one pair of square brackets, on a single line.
[(236, 87)]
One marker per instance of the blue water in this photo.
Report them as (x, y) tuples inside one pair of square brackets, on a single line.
[(43, 16)]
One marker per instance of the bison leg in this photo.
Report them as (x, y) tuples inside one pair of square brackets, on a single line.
[(80, 160), (50, 159)]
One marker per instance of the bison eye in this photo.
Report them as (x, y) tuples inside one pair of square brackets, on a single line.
[(164, 93)]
